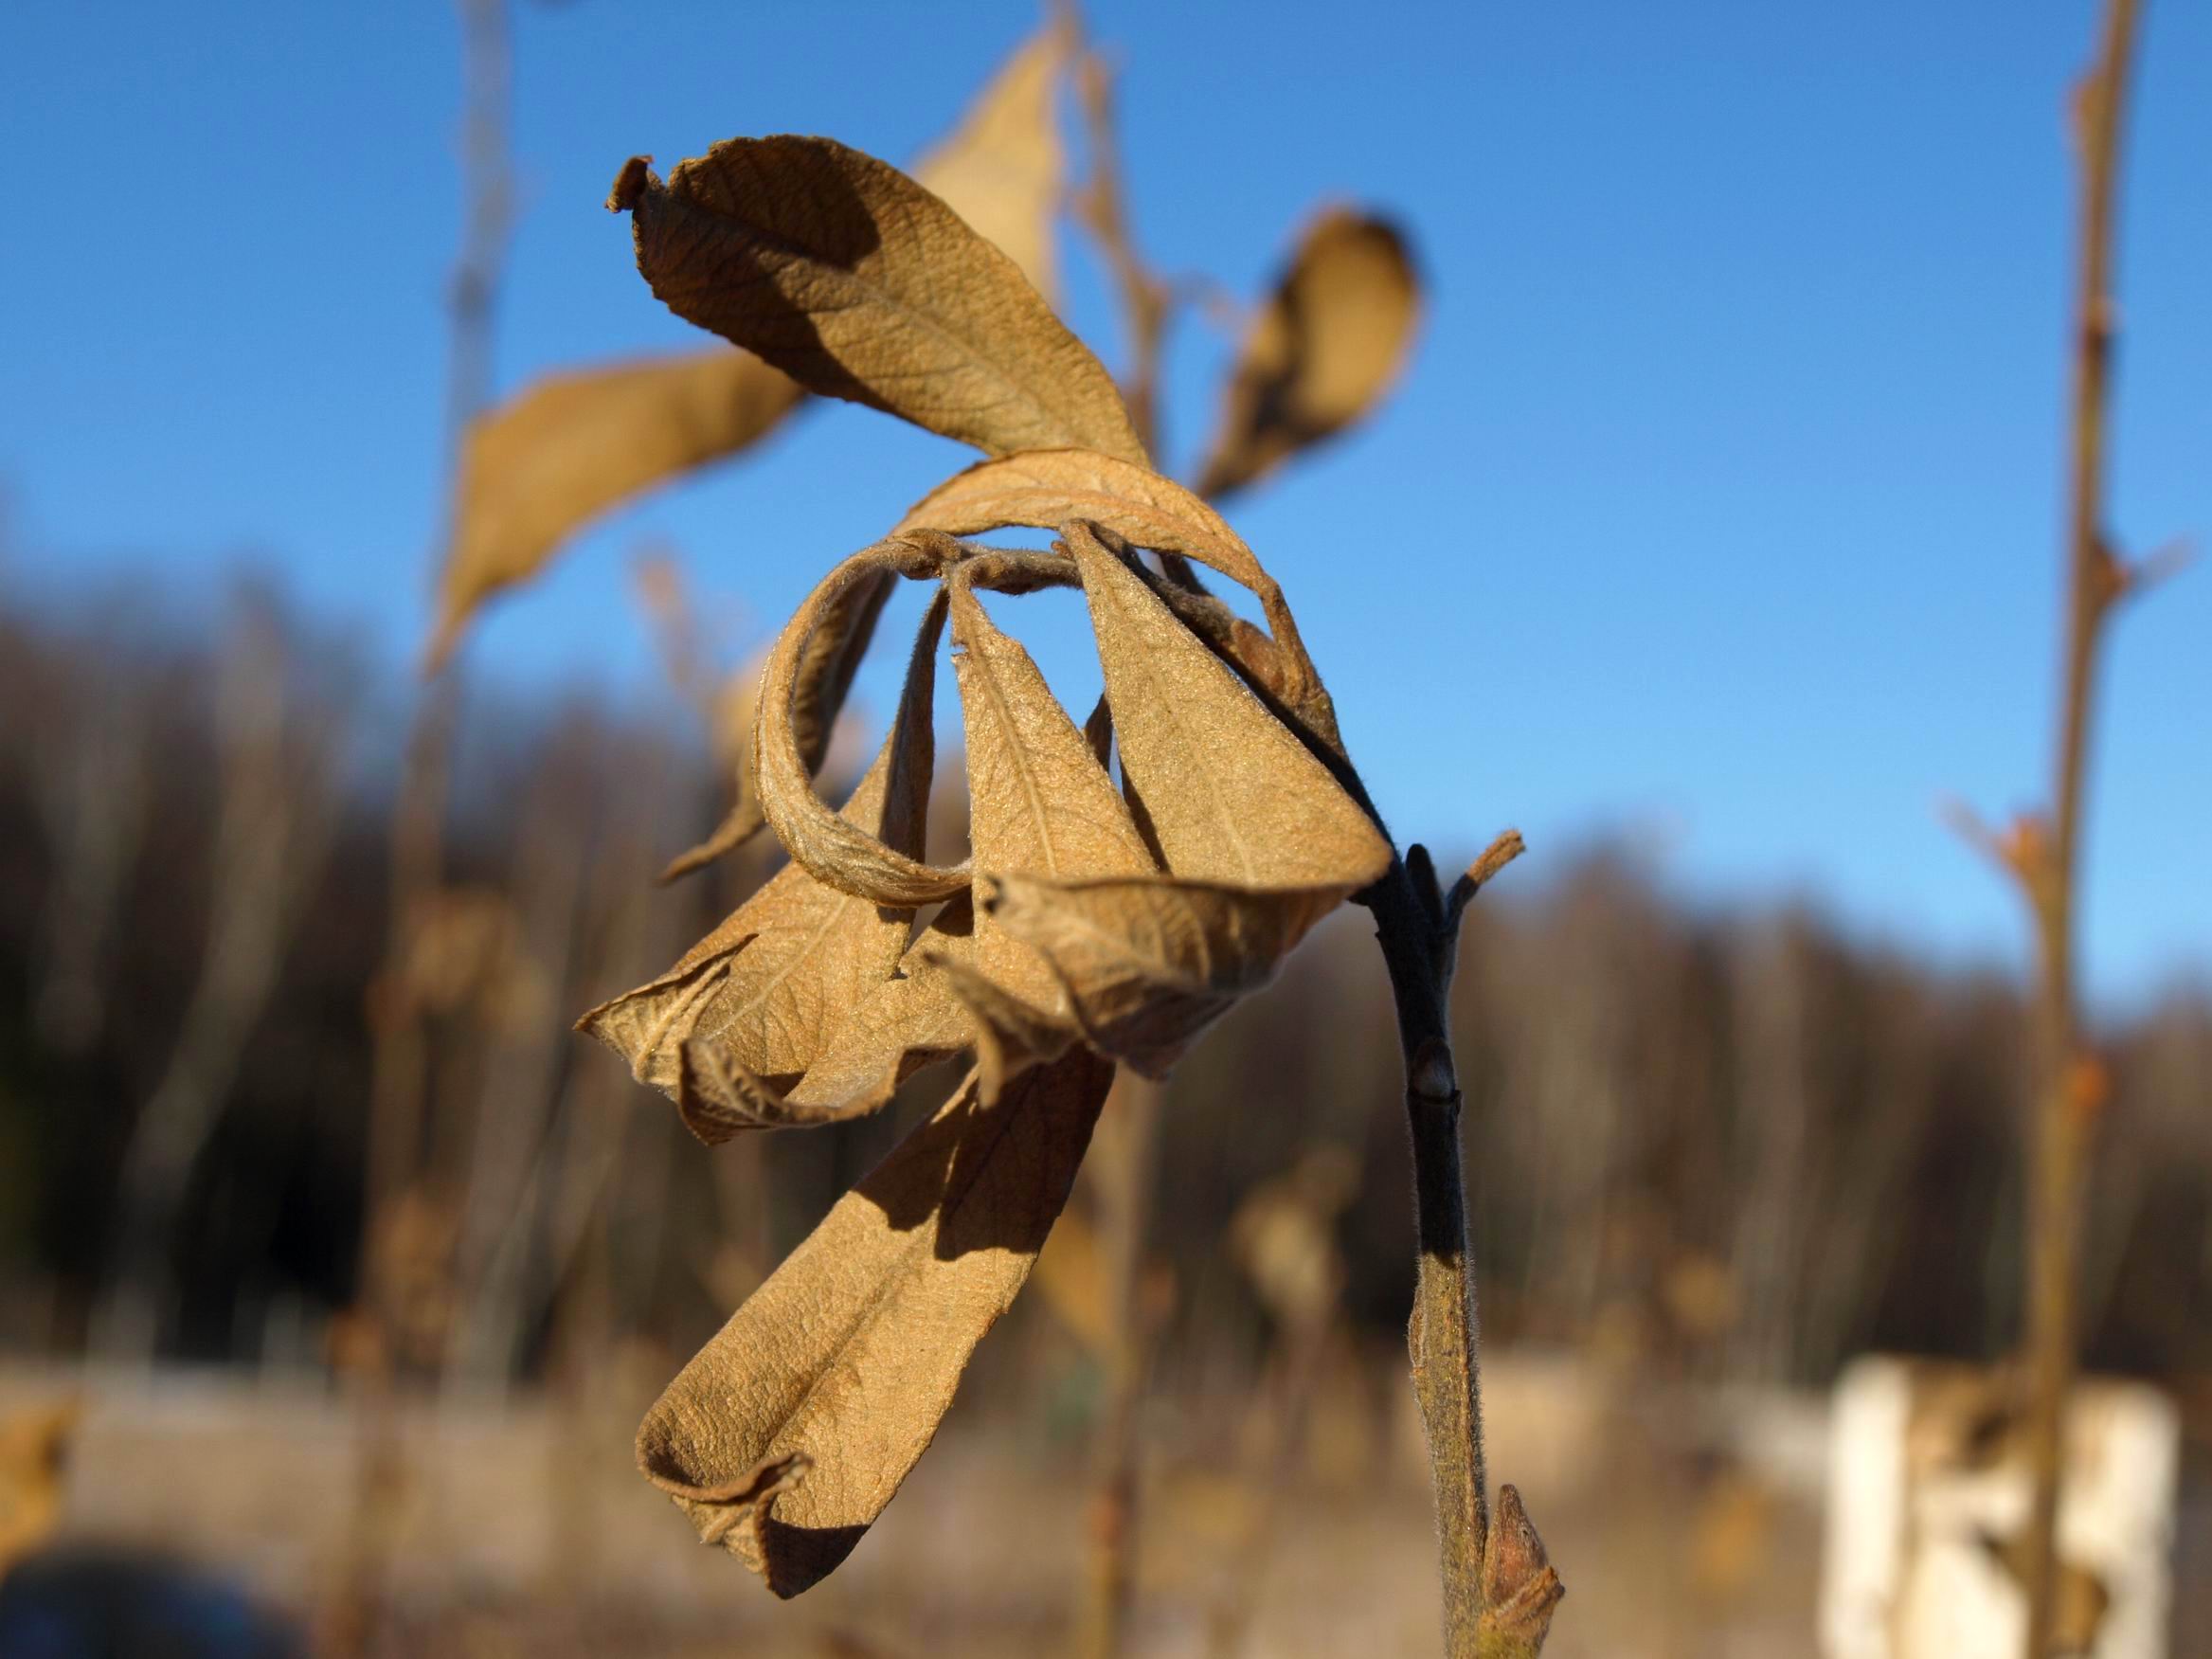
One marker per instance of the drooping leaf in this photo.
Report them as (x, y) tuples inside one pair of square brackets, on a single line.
[(860, 285), (1005, 169), (544, 464), (772, 987), (1228, 794), (897, 1028), (1151, 961), (786, 1435), (565, 449), (1038, 801), (1258, 839), (1323, 350)]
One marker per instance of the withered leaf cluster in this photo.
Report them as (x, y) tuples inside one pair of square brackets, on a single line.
[(1129, 879)]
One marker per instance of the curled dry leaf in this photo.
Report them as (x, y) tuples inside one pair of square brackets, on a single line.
[(1323, 350), (1004, 169), (1102, 924), (843, 1363), (860, 285), (547, 462), (765, 995), (832, 848)]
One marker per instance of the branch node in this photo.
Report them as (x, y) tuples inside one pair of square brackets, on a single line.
[(1430, 1078), (2163, 563)]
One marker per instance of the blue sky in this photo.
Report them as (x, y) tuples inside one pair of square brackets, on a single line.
[(1719, 508)]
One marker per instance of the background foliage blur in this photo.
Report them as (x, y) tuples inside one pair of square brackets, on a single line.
[(1744, 1143)]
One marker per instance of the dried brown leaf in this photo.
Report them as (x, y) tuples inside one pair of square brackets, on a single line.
[(567, 448), (765, 994), (860, 285), (1005, 169), (1258, 841), (1149, 963), (1323, 350), (786, 1435), (1228, 794), (1038, 801)]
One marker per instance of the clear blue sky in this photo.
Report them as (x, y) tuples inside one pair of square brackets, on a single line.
[(1720, 506)]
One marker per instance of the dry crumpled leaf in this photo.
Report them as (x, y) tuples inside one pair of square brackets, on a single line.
[(1322, 352), (751, 1007), (1089, 924), (1004, 169), (567, 448), (572, 445), (790, 1430), (860, 285), (833, 849), (1038, 801), (1259, 840)]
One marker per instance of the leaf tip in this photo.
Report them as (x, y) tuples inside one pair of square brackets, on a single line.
[(635, 178)]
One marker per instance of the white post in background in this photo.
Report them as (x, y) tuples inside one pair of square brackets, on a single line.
[(1929, 1493)]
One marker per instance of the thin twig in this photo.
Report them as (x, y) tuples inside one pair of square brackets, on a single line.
[(1499, 1586), (1499, 1590), (399, 1098), (1147, 302), (2096, 579)]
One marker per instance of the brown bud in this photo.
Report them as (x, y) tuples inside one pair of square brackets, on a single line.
[(1520, 1588)]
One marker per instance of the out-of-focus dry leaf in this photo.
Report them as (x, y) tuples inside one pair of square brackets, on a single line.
[(1322, 352), (1284, 1236), (34, 1456), (763, 996), (860, 285), (822, 677), (463, 950), (564, 450), (787, 1435), (1004, 169), (1072, 1272)]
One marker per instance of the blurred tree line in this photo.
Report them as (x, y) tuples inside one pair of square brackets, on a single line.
[(1714, 1143)]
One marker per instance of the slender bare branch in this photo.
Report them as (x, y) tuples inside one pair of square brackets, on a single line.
[(2058, 1183), (1499, 1586)]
